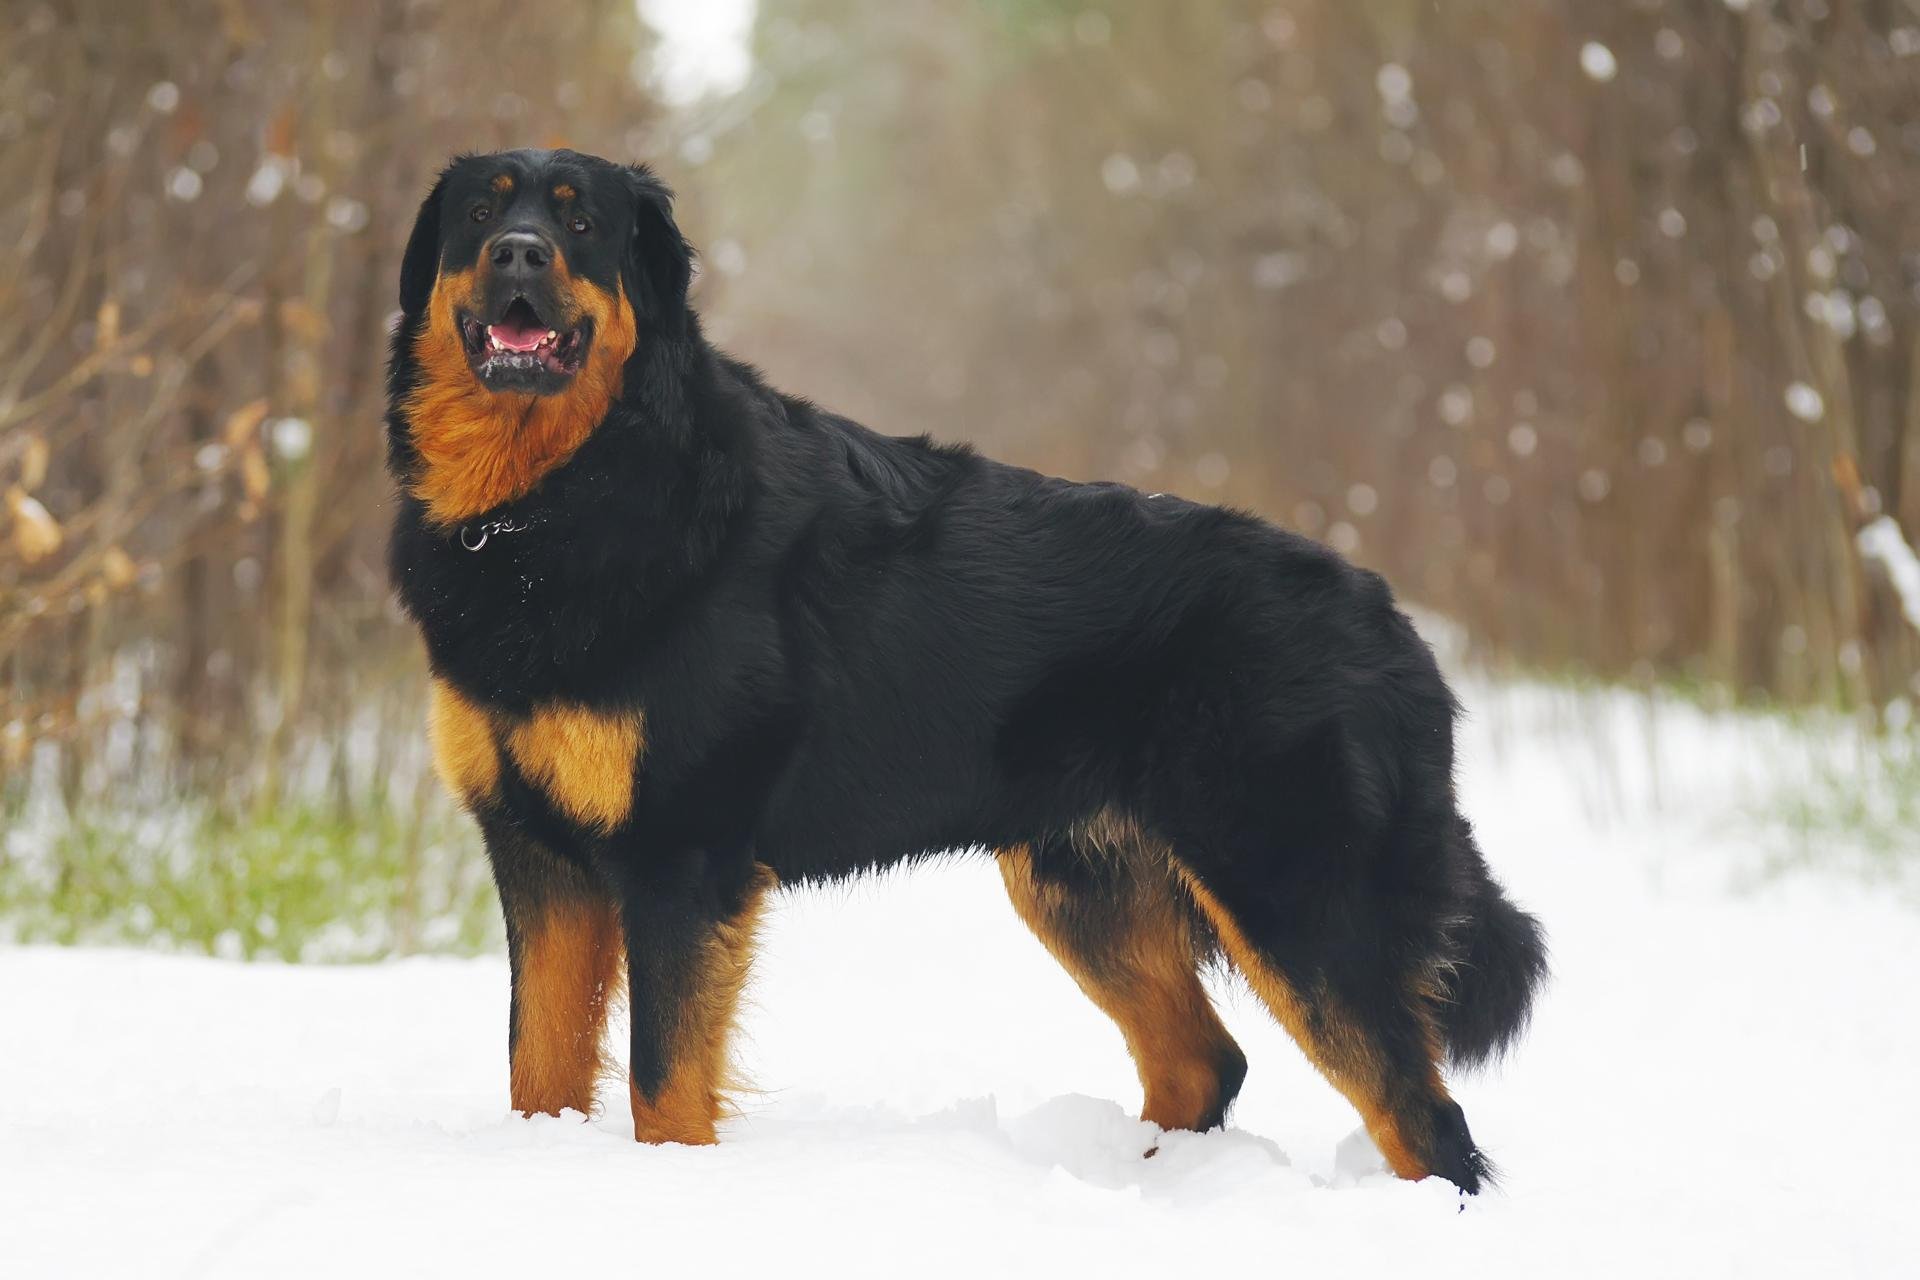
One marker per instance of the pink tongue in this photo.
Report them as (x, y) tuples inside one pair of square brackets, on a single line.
[(516, 337)]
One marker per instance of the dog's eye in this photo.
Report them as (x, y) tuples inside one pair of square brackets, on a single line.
[(481, 213), (580, 226)]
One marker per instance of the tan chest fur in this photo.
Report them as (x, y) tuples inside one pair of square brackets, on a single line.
[(582, 760)]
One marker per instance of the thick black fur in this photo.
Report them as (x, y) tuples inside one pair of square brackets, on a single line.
[(852, 649)]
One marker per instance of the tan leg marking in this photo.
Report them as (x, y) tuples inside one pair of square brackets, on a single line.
[(571, 957), (689, 1104), (1143, 977), (1336, 1045)]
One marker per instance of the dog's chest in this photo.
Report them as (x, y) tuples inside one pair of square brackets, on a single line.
[(582, 759)]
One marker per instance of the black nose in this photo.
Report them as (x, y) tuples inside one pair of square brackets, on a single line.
[(521, 254)]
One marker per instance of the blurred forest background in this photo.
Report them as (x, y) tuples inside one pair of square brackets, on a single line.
[(1593, 326)]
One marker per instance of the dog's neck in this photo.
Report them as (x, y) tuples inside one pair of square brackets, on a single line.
[(671, 451), (626, 529)]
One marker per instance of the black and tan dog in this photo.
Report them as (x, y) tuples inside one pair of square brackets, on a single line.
[(691, 637)]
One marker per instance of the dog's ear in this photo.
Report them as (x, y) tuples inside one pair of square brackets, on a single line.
[(658, 264), (420, 265)]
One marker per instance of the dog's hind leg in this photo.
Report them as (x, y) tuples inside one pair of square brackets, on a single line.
[(1334, 971), (1114, 921), (690, 936)]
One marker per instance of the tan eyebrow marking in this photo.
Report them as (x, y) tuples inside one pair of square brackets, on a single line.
[(564, 192), (503, 183)]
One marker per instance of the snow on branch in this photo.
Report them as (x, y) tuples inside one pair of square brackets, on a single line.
[(1881, 540)]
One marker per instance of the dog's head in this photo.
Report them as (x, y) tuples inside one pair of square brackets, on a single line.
[(532, 258), (529, 281)]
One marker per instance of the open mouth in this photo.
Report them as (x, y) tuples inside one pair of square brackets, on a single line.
[(521, 342)]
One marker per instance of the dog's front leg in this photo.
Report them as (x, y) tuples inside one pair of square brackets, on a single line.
[(690, 919), (564, 945)]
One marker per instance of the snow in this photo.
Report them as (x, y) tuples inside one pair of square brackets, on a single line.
[(1718, 1082), (1882, 540), (1805, 403), (705, 46), (1394, 82), (1598, 61)]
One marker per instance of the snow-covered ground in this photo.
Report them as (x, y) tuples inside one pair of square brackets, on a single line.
[(1720, 1082)]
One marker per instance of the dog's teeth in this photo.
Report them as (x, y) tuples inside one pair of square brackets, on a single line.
[(551, 335)]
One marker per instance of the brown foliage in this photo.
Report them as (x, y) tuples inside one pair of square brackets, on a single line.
[(1406, 276), (198, 250)]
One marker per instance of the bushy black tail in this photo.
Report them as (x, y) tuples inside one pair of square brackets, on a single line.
[(1500, 962)]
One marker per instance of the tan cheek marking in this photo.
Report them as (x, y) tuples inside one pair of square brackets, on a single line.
[(478, 450), (461, 735), (582, 759)]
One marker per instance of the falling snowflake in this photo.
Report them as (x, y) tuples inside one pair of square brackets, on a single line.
[(1119, 173), (1598, 62), (264, 187), (183, 184), (292, 438), (1278, 270), (1804, 403)]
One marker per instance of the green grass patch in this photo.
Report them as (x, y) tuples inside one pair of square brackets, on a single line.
[(301, 882), (1858, 807)]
